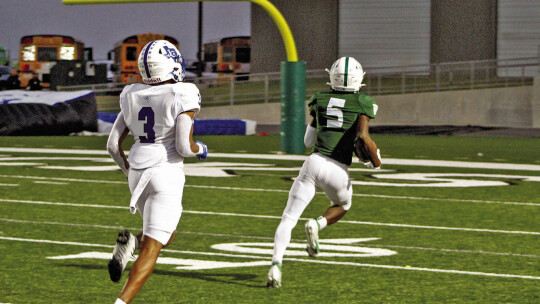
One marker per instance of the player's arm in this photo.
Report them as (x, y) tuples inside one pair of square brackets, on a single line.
[(365, 145), (114, 143), (311, 133), (185, 145)]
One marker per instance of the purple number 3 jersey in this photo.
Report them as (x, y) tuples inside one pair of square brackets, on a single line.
[(150, 113)]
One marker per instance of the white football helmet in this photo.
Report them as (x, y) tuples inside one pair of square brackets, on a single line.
[(346, 74), (160, 61)]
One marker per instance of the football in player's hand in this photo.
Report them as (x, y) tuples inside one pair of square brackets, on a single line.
[(360, 151)]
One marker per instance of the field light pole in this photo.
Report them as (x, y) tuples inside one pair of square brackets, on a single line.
[(293, 75)]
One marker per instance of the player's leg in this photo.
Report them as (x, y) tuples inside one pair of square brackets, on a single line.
[(126, 243), (301, 193), (333, 214), (142, 268), (161, 214), (164, 204), (338, 189)]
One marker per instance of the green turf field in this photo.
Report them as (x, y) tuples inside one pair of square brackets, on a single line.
[(447, 220)]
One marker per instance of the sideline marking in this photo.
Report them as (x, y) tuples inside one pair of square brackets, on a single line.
[(281, 191), (335, 241), (305, 260), (279, 217)]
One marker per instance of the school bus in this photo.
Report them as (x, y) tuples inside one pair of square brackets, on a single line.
[(229, 55), (126, 53), (39, 53)]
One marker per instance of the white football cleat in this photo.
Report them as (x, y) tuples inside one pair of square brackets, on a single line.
[(123, 252), (312, 233), (274, 276)]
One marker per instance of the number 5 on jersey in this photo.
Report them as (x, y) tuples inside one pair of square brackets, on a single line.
[(334, 109)]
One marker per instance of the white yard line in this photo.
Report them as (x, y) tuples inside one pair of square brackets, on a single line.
[(500, 275), (112, 246), (54, 151), (373, 195), (49, 182), (61, 204), (456, 250), (279, 217), (222, 235), (276, 190), (389, 161), (63, 179)]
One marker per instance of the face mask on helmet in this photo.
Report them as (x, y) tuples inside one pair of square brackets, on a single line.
[(346, 74), (160, 61)]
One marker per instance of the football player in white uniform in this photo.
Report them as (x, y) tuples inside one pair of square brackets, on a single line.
[(159, 113)]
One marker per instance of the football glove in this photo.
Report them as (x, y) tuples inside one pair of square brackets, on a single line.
[(370, 165), (203, 151)]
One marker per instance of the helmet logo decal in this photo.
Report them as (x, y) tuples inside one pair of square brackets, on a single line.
[(171, 54), (145, 60)]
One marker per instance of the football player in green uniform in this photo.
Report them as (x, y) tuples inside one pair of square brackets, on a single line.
[(338, 127)]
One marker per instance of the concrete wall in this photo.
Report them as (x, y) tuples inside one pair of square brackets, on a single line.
[(501, 107), (517, 107)]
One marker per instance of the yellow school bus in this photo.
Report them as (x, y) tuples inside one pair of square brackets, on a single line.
[(126, 53), (229, 55), (39, 53)]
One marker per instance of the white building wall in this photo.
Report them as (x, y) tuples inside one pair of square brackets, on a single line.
[(518, 33), (518, 29), (385, 32)]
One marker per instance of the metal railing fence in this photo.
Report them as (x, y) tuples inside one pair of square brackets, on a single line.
[(264, 88)]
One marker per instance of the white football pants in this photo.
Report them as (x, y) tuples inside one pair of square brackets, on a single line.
[(318, 171), (160, 203)]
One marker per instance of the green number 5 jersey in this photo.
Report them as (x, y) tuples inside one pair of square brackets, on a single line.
[(337, 115)]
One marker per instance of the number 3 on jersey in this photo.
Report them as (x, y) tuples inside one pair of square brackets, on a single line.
[(147, 114), (334, 109)]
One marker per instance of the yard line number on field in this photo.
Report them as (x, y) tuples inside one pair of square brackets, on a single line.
[(192, 264)]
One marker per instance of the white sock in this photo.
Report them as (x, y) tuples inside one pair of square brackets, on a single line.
[(118, 301), (322, 222)]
